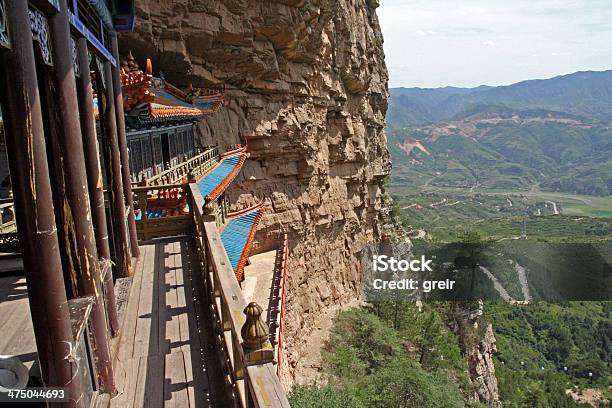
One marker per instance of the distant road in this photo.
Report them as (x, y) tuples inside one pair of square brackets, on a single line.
[(504, 293), (522, 274), (498, 286), (555, 210)]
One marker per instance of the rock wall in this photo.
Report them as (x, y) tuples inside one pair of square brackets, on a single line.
[(307, 87), (478, 343)]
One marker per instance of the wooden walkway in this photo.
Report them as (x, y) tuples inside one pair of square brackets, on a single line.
[(166, 355), (17, 338)]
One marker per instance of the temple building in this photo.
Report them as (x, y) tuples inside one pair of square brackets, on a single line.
[(123, 271), (160, 119)]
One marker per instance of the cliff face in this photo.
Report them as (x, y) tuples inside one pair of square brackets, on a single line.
[(478, 342), (307, 90)]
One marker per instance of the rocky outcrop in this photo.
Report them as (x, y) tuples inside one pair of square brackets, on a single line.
[(307, 90), (482, 369), (477, 342)]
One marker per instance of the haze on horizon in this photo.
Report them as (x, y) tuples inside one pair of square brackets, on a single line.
[(467, 43)]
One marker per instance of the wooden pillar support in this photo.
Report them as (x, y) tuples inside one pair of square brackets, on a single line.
[(94, 181), (123, 149), (113, 172), (36, 226), (77, 195)]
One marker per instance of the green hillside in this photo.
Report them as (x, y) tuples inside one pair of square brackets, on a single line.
[(493, 148), (527, 168), (582, 93)]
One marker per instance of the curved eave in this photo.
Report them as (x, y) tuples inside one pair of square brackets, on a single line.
[(165, 112), (238, 234), (216, 181)]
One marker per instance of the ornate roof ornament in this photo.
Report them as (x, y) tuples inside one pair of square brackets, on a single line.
[(40, 33)]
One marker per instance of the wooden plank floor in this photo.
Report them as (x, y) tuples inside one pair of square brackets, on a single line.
[(15, 322), (165, 356)]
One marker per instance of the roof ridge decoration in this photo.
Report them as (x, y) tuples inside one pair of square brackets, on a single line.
[(238, 235), (142, 88), (239, 213), (135, 84), (234, 149)]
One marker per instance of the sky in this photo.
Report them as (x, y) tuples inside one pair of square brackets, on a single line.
[(466, 43)]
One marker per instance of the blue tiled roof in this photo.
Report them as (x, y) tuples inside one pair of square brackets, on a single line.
[(166, 98), (211, 180), (204, 105), (236, 233)]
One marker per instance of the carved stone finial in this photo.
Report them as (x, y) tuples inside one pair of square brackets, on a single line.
[(256, 344)]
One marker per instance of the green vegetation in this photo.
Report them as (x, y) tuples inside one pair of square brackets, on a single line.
[(568, 341), (393, 355), (523, 175), (390, 356), (488, 150), (582, 93), (445, 216)]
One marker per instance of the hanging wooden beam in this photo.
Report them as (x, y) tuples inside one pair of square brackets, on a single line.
[(94, 181), (77, 195), (112, 161), (27, 155), (123, 149)]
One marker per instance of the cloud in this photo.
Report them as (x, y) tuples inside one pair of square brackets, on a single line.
[(423, 33), (470, 42)]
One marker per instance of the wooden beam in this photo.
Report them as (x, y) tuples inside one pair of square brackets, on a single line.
[(123, 149), (94, 181), (73, 161), (113, 171), (27, 155), (265, 389)]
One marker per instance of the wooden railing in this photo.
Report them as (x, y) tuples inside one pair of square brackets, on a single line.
[(242, 335), (280, 315), (168, 225), (7, 216), (196, 166)]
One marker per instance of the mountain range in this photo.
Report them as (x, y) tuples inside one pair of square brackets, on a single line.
[(553, 134), (586, 93)]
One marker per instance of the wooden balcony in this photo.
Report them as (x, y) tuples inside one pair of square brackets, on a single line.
[(196, 166), (167, 345), (184, 340)]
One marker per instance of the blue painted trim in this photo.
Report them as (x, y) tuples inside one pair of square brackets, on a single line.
[(80, 27), (103, 13)]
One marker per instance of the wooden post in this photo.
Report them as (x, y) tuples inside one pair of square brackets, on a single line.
[(113, 171), (123, 149), (27, 155), (209, 211), (255, 337), (142, 204), (77, 195), (94, 181)]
